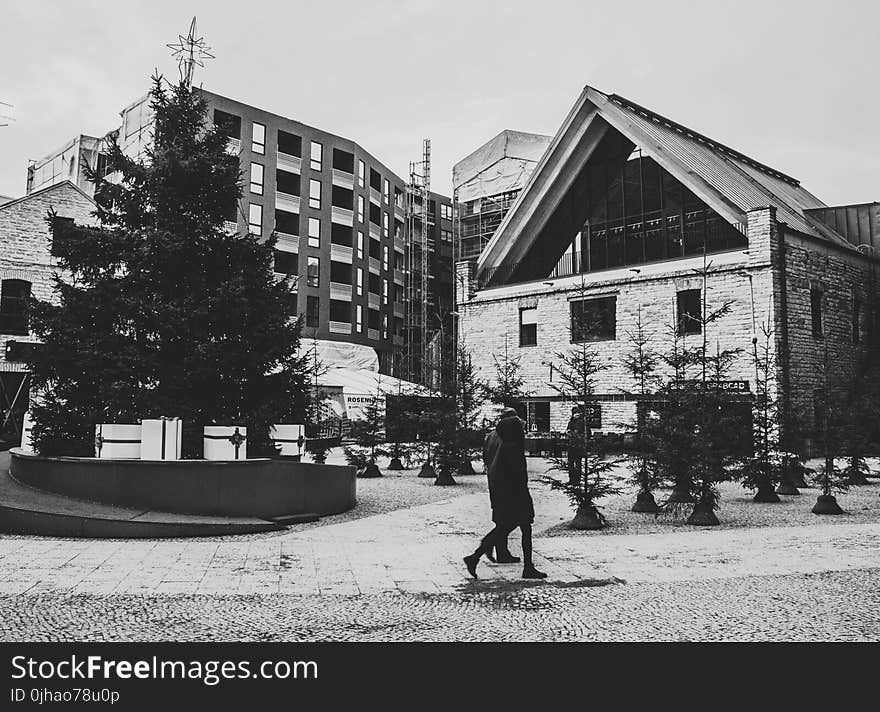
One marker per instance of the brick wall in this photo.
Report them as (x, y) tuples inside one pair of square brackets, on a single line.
[(492, 316), (25, 243)]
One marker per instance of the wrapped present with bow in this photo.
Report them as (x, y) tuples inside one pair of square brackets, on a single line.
[(161, 438), (290, 438), (117, 441), (225, 442)]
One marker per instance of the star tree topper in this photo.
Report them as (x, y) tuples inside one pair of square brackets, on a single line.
[(190, 51)]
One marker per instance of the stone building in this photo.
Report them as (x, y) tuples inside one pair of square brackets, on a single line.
[(618, 220), (27, 267)]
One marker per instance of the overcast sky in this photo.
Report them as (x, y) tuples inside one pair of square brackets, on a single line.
[(793, 84)]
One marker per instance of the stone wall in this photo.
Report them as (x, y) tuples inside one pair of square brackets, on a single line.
[(25, 243)]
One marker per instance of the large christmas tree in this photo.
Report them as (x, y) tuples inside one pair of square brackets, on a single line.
[(163, 312)]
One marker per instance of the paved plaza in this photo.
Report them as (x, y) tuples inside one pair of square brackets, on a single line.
[(390, 571)]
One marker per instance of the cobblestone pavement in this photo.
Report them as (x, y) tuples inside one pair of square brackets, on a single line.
[(398, 574)]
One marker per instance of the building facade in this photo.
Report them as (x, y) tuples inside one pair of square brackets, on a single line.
[(632, 218), (27, 269), (342, 219)]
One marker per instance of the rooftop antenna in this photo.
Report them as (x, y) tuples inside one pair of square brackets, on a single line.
[(190, 51)]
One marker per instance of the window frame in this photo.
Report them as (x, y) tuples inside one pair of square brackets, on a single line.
[(316, 312), (258, 146), (817, 298), (685, 323), (315, 200), (314, 237), (313, 276), (576, 336), (259, 222), (523, 342), (14, 317), (262, 178), (316, 164)]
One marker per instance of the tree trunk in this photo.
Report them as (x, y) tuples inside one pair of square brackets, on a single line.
[(826, 504), (703, 516), (586, 517), (645, 503)]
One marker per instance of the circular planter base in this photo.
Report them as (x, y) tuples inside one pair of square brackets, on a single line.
[(371, 470), (395, 464), (427, 471), (703, 516), (799, 481), (766, 495), (586, 518), (444, 478), (826, 504), (645, 503), (787, 488)]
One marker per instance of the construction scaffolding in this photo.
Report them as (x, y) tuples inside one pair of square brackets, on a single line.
[(419, 246)]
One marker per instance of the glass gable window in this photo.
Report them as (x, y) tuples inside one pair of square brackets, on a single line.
[(317, 156), (593, 319), (258, 143), (257, 178)]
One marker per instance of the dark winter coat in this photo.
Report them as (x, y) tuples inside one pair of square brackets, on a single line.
[(508, 476)]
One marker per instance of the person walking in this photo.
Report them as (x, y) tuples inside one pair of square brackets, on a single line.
[(577, 431), (512, 505), (490, 449)]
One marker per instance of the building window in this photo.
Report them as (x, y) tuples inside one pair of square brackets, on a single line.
[(317, 156), (60, 228), (359, 316), (315, 194), (384, 291), (385, 257), (360, 245), (286, 222), (343, 161), (375, 180), (375, 249), (856, 320), (373, 319), (387, 190), (313, 309), (816, 312), (360, 208), (313, 272), (286, 262), (289, 143), (446, 235), (362, 174), (445, 211), (258, 144), (255, 219), (340, 272), (594, 319), (384, 224), (229, 124), (340, 311), (375, 215), (287, 182), (14, 296), (528, 326), (398, 260), (360, 281), (689, 305), (257, 178), (539, 416), (374, 284), (314, 232), (384, 326)]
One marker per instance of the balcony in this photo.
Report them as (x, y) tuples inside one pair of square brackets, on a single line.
[(375, 197), (373, 265), (398, 340), (373, 334), (233, 146), (374, 300), (289, 163), (400, 244), (288, 202), (340, 327), (340, 253), (374, 232), (399, 212), (230, 227), (287, 243), (399, 277), (399, 309), (341, 291), (342, 179), (341, 216)]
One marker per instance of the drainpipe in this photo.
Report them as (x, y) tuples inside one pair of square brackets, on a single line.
[(784, 353)]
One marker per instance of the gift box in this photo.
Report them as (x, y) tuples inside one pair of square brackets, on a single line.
[(117, 441), (291, 438), (225, 442), (160, 439), (27, 442)]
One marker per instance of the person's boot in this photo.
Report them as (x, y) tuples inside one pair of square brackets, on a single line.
[(471, 563), (530, 572), (503, 556)]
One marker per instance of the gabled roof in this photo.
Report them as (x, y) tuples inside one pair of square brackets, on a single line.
[(62, 185), (516, 145), (729, 182)]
